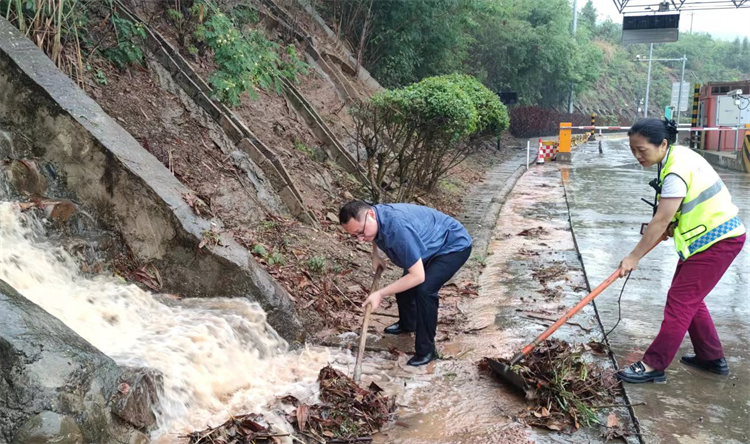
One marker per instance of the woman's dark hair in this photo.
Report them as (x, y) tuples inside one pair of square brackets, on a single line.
[(655, 130)]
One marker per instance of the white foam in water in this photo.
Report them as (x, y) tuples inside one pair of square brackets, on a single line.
[(218, 356)]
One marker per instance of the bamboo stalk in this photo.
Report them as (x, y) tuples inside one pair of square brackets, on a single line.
[(79, 59), (19, 11), (58, 35), (37, 17)]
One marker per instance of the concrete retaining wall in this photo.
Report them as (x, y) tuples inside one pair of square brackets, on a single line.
[(132, 192), (740, 162)]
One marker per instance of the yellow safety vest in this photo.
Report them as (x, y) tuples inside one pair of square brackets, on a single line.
[(707, 214)]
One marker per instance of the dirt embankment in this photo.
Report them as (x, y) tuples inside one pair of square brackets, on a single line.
[(327, 274)]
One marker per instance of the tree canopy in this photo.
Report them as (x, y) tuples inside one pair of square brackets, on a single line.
[(523, 46)]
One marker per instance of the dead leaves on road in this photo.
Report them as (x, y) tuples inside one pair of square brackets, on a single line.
[(565, 389), (346, 413)]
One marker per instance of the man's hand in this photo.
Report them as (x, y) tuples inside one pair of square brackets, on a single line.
[(627, 265), (374, 299)]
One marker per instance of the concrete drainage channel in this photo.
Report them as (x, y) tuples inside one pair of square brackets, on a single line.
[(610, 353), (486, 206)]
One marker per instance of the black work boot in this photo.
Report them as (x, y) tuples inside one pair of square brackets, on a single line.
[(637, 374), (418, 360), (717, 366), (396, 329)]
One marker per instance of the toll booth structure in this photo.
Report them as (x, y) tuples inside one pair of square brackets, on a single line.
[(717, 109)]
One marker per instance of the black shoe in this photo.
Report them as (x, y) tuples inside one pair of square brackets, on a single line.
[(718, 366), (637, 374), (396, 329), (418, 360)]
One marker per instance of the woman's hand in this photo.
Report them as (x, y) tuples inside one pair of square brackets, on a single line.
[(670, 231), (374, 299), (627, 265)]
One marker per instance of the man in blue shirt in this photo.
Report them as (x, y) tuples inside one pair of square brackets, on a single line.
[(429, 245)]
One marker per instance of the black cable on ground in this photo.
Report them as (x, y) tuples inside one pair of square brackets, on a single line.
[(619, 305), (626, 398)]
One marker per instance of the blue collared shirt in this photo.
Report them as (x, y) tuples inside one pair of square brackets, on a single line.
[(409, 232)]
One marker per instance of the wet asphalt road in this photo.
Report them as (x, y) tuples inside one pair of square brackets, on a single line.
[(604, 192)]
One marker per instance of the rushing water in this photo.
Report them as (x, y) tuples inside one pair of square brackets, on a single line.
[(218, 356)]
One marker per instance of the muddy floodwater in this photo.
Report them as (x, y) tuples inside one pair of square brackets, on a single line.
[(693, 407), (218, 355)]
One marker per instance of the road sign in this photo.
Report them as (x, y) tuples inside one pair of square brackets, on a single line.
[(650, 28), (683, 99)]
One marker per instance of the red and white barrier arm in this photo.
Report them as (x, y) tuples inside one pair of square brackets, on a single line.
[(698, 128)]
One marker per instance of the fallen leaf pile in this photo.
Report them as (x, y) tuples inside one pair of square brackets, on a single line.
[(564, 388), (533, 232), (236, 430), (347, 411)]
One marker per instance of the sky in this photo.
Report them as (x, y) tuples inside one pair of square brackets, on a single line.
[(726, 24)]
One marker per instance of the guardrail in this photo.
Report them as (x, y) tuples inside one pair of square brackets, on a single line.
[(568, 139)]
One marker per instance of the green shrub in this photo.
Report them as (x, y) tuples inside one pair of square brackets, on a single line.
[(245, 60), (99, 77), (78, 32), (260, 250), (277, 259), (311, 152), (301, 147), (316, 264), (127, 50), (243, 15), (418, 133), (492, 114)]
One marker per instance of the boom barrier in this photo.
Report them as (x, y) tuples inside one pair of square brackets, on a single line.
[(697, 128)]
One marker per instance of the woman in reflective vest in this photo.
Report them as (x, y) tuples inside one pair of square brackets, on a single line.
[(696, 209)]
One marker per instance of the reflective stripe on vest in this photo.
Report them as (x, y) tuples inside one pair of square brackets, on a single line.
[(708, 193), (715, 234), (707, 214)]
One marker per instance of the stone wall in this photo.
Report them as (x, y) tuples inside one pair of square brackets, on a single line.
[(57, 388)]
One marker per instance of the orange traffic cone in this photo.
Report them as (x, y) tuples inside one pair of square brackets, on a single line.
[(540, 155)]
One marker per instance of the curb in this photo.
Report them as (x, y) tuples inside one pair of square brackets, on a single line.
[(482, 241)]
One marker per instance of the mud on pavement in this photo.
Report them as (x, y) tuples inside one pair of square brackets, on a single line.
[(533, 275)]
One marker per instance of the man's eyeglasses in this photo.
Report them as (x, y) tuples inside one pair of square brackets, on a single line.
[(362, 232)]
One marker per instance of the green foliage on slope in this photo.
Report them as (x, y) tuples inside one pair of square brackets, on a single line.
[(524, 46)]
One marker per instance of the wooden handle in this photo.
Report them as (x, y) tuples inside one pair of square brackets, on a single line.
[(569, 314), (365, 323)]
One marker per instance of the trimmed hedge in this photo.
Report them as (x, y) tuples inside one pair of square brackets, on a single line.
[(533, 121)]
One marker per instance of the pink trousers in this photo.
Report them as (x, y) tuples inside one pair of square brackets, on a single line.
[(685, 310)]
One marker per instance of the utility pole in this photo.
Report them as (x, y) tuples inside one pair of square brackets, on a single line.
[(575, 27), (648, 79), (638, 101), (679, 93), (682, 59)]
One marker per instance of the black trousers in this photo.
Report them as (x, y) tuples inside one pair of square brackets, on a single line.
[(418, 306)]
